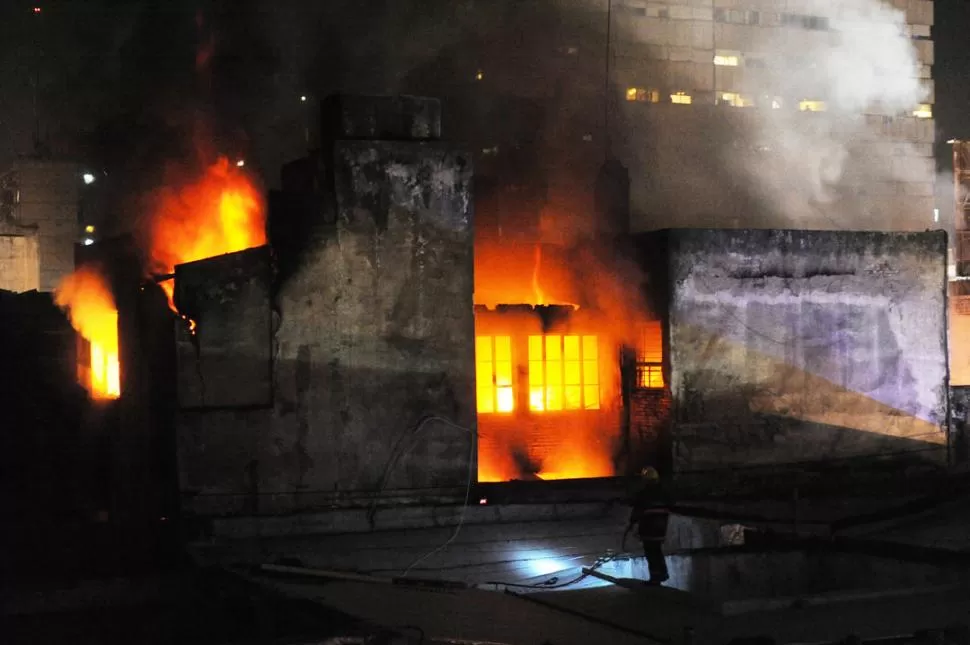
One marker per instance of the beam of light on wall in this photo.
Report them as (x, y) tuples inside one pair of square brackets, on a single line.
[(816, 398)]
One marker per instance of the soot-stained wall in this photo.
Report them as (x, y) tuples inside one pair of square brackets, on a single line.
[(801, 346), (372, 332)]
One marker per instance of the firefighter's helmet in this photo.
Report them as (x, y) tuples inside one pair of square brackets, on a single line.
[(650, 474)]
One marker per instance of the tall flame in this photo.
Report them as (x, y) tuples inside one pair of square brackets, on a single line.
[(536, 288), (221, 212), (86, 298)]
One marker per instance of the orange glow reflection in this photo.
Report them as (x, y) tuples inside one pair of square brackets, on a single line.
[(512, 274), (87, 299), (540, 298)]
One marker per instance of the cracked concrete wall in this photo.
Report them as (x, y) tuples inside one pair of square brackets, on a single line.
[(373, 332), (800, 346)]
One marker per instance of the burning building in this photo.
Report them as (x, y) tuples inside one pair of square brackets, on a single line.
[(321, 371), (361, 355), (380, 362)]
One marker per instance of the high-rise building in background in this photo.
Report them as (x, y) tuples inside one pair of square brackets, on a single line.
[(759, 113)]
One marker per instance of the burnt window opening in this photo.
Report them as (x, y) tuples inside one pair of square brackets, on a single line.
[(563, 373), (649, 363), (98, 367), (493, 373)]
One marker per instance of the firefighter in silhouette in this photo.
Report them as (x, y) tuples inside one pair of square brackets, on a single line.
[(650, 514)]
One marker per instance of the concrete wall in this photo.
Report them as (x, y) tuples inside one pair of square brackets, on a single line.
[(19, 263), (800, 346), (650, 428), (227, 362), (373, 331), (960, 423)]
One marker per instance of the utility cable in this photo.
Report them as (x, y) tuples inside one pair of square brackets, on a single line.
[(397, 452), (468, 484)]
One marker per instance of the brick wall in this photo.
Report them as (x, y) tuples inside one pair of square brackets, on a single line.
[(649, 416), (579, 443)]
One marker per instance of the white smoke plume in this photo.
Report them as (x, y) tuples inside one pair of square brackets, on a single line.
[(861, 161), (865, 70)]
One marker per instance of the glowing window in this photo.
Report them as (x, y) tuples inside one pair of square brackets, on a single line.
[(924, 111), (812, 106), (642, 95), (563, 373), (681, 98), (493, 374), (727, 58), (105, 371), (734, 99), (650, 356)]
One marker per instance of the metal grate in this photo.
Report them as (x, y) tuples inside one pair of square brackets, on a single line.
[(650, 376)]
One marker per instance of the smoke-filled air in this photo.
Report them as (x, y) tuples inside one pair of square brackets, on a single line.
[(818, 146)]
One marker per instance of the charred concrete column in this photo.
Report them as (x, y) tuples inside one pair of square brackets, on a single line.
[(371, 344), (392, 291)]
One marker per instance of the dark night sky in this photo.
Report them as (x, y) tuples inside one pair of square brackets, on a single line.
[(119, 86)]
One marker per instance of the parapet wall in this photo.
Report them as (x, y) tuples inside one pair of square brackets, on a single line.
[(793, 347)]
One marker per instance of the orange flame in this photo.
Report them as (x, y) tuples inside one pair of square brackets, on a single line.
[(502, 271), (222, 212), (536, 288), (86, 298), (560, 376)]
